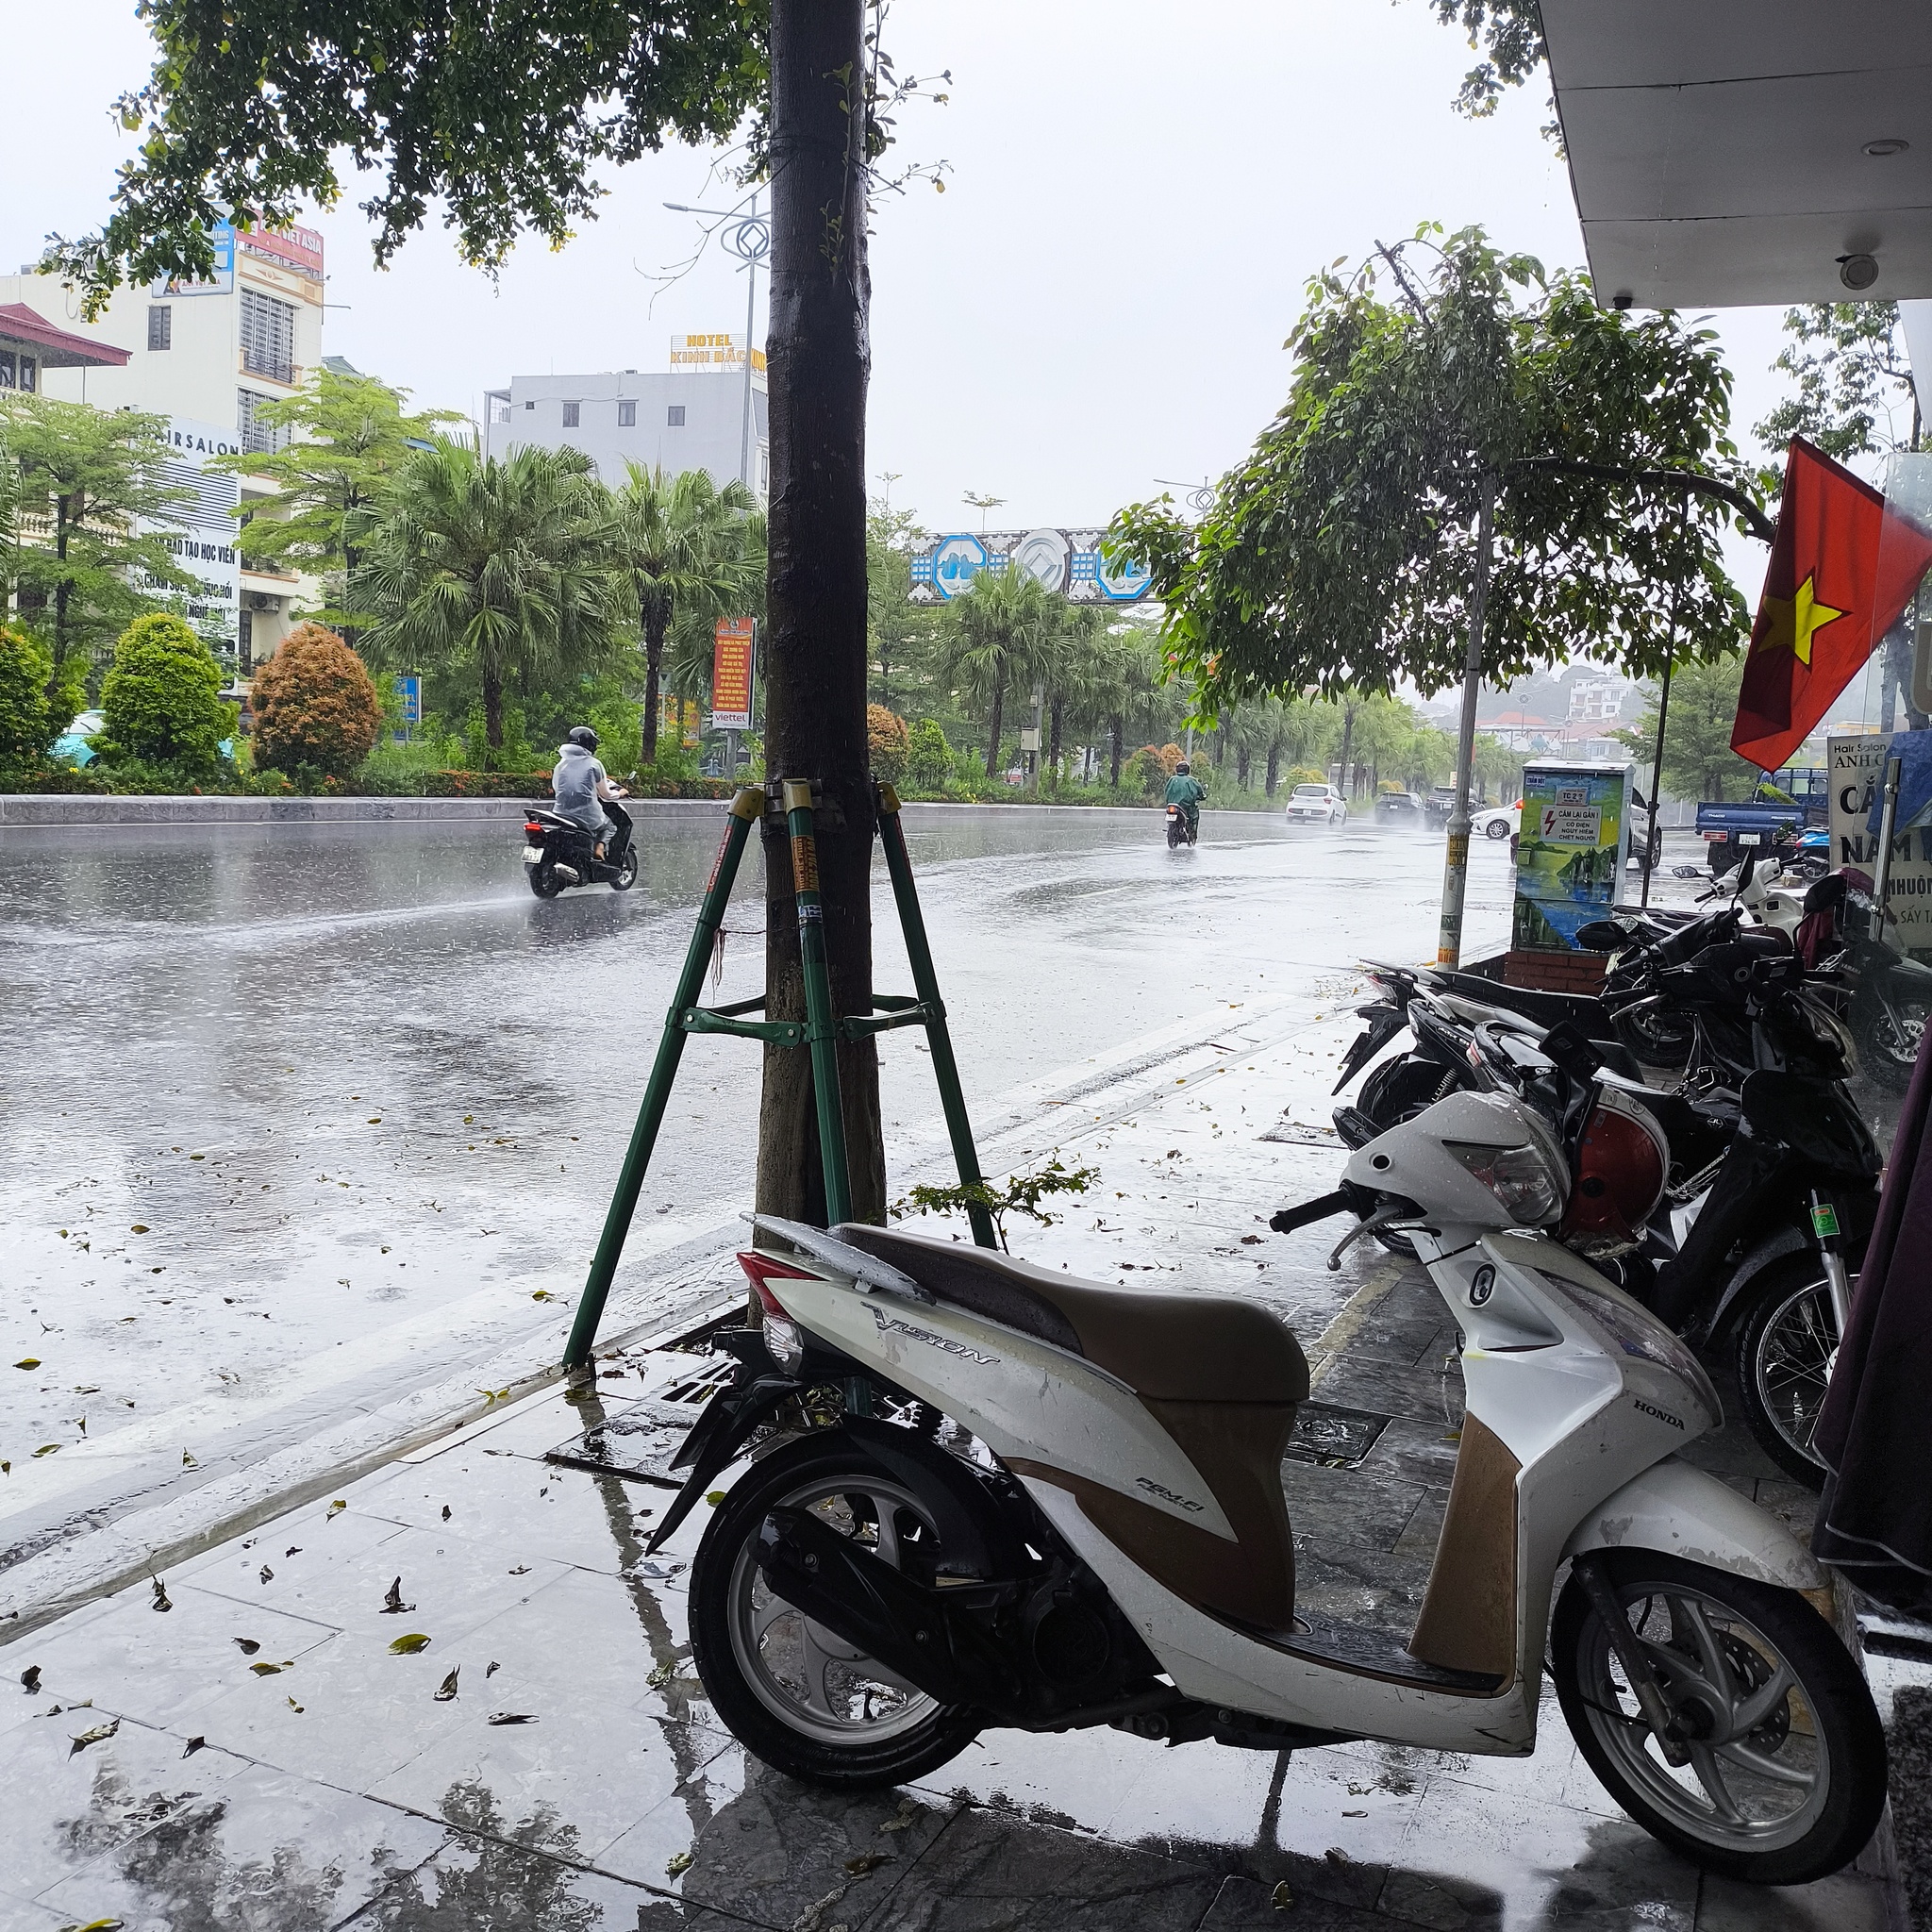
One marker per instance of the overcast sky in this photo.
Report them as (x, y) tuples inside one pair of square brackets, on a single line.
[(1136, 193)]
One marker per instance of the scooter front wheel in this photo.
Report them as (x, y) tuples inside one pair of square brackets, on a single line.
[(792, 1692), (1785, 1780), (627, 871), (1787, 1337)]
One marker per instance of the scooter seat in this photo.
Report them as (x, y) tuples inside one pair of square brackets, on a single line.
[(1168, 1347)]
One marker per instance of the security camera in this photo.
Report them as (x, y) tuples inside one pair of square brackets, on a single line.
[(1857, 271)]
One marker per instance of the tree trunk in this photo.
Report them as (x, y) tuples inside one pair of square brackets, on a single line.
[(1273, 767), (492, 709), (1053, 735), (654, 671), (1347, 741), (63, 585), (993, 735), (1118, 725), (1240, 766), (816, 602)]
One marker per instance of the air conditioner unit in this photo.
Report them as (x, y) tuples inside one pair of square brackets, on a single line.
[(263, 600)]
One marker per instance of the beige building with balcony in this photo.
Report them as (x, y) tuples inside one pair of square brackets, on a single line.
[(207, 356)]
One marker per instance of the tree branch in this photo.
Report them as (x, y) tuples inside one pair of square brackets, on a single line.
[(1692, 481)]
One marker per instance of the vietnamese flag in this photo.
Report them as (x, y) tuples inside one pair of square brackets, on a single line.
[(1843, 567)]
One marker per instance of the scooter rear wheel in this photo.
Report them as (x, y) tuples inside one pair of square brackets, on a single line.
[(807, 1702), (544, 882), (1786, 1780)]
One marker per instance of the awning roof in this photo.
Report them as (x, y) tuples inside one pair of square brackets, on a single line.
[(20, 328), (1718, 148)]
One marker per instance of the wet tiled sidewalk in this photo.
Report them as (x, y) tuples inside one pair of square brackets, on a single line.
[(245, 1748)]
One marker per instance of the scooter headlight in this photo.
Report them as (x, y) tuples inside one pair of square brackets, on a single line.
[(1527, 1184)]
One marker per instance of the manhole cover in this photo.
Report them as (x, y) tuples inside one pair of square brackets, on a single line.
[(1338, 1437)]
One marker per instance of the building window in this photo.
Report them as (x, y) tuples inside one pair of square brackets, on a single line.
[(673, 416), (529, 406), (571, 411), (6, 368), (246, 637), (268, 336), (627, 415), (160, 327), (259, 436), (16, 371)]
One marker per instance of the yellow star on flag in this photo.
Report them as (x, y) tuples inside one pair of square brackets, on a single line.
[(1793, 620)]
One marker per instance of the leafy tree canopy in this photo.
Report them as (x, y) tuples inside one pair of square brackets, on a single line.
[(498, 114), (25, 725), (345, 436), (1698, 759), (1508, 36), (84, 542), (1341, 554), (1854, 376)]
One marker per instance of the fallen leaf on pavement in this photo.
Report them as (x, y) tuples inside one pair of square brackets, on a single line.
[(267, 1669), (268, 1575), (161, 1601), (393, 1605), (194, 1744), (31, 1361), (1281, 1898), (98, 1735), (294, 1707), (336, 1509), (867, 1861), (30, 1679), (492, 1670), (448, 1688), (678, 1862), (512, 1717), (46, 1449), (96, 1926), (410, 1645), (247, 1645), (445, 1512)]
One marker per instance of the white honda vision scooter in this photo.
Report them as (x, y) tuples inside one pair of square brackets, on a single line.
[(982, 1495)]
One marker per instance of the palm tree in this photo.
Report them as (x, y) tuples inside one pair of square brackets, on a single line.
[(996, 638), (689, 552), (497, 567)]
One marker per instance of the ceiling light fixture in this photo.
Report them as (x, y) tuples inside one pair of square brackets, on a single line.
[(1879, 149)]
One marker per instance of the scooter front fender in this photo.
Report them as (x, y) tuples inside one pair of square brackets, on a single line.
[(1685, 1512)]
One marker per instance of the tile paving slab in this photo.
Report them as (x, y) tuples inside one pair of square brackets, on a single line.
[(342, 1790)]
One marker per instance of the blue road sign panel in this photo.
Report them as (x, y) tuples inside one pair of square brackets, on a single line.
[(411, 691)]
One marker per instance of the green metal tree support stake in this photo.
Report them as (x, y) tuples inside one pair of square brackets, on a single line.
[(821, 1032)]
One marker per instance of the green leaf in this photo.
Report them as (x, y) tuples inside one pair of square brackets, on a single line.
[(410, 1645)]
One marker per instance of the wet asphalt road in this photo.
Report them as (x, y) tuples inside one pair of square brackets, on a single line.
[(274, 1093)]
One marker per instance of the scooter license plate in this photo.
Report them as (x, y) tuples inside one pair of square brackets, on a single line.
[(533, 855)]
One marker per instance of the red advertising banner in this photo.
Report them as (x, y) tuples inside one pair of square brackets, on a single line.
[(731, 673), (297, 248)]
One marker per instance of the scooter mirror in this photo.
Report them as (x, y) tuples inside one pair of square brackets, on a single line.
[(1602, 935)]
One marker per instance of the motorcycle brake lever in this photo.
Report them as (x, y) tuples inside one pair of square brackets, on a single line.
[(1383, 1217)]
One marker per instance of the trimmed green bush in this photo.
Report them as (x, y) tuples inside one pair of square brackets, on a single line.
[(162, 700), (315, 707), (25, 728)]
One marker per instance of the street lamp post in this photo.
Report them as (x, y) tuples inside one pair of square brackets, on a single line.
[(746, 234)]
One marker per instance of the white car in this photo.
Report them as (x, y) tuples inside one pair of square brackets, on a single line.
[(1317, 805), (1494, 821)]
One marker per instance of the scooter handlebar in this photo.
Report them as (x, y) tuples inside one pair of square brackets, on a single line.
[(1341, 1201)]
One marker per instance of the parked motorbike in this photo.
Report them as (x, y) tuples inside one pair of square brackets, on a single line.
[(557, 852), (1884, 997), (1181, 830), (983, 1493)]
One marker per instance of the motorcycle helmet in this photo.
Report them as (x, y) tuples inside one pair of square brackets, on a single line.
[(1180, 771), (582, 735), (1621, 1164)]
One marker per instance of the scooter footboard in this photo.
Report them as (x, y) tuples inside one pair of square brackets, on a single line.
[(1687, 1512)]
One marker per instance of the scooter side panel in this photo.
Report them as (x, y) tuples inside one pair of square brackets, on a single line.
[(1022, 1398), (1209, 1660), (1687, 1512)]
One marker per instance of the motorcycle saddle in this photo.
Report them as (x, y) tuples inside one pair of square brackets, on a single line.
[(1191, 1348)]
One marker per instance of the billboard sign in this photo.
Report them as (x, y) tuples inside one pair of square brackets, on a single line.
[(713, 355), (220, 283), (299, 249), (733, 644), (200, 527), (1858, 768), (1572, 851), (1067, 562), (410, 689)]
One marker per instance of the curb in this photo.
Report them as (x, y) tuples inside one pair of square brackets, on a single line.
[(58, 808)]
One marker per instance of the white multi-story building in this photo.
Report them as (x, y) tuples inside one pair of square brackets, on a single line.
[(696, 417), (207, 356)]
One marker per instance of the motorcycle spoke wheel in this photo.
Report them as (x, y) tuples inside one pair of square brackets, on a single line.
[(1786, 1346)]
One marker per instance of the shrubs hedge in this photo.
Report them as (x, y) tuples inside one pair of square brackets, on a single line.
[(25, 726), (315, 705), (162, 700)]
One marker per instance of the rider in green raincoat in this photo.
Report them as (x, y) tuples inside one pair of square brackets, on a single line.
[(1187, 792)]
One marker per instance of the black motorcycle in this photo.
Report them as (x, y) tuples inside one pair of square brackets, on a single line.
[(1181, 829), (559, 852)]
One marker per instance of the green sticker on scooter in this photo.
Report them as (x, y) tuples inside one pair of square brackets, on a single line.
[(1824, 1222)]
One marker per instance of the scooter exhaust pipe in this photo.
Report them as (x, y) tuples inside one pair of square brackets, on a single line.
[(568, 874)]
